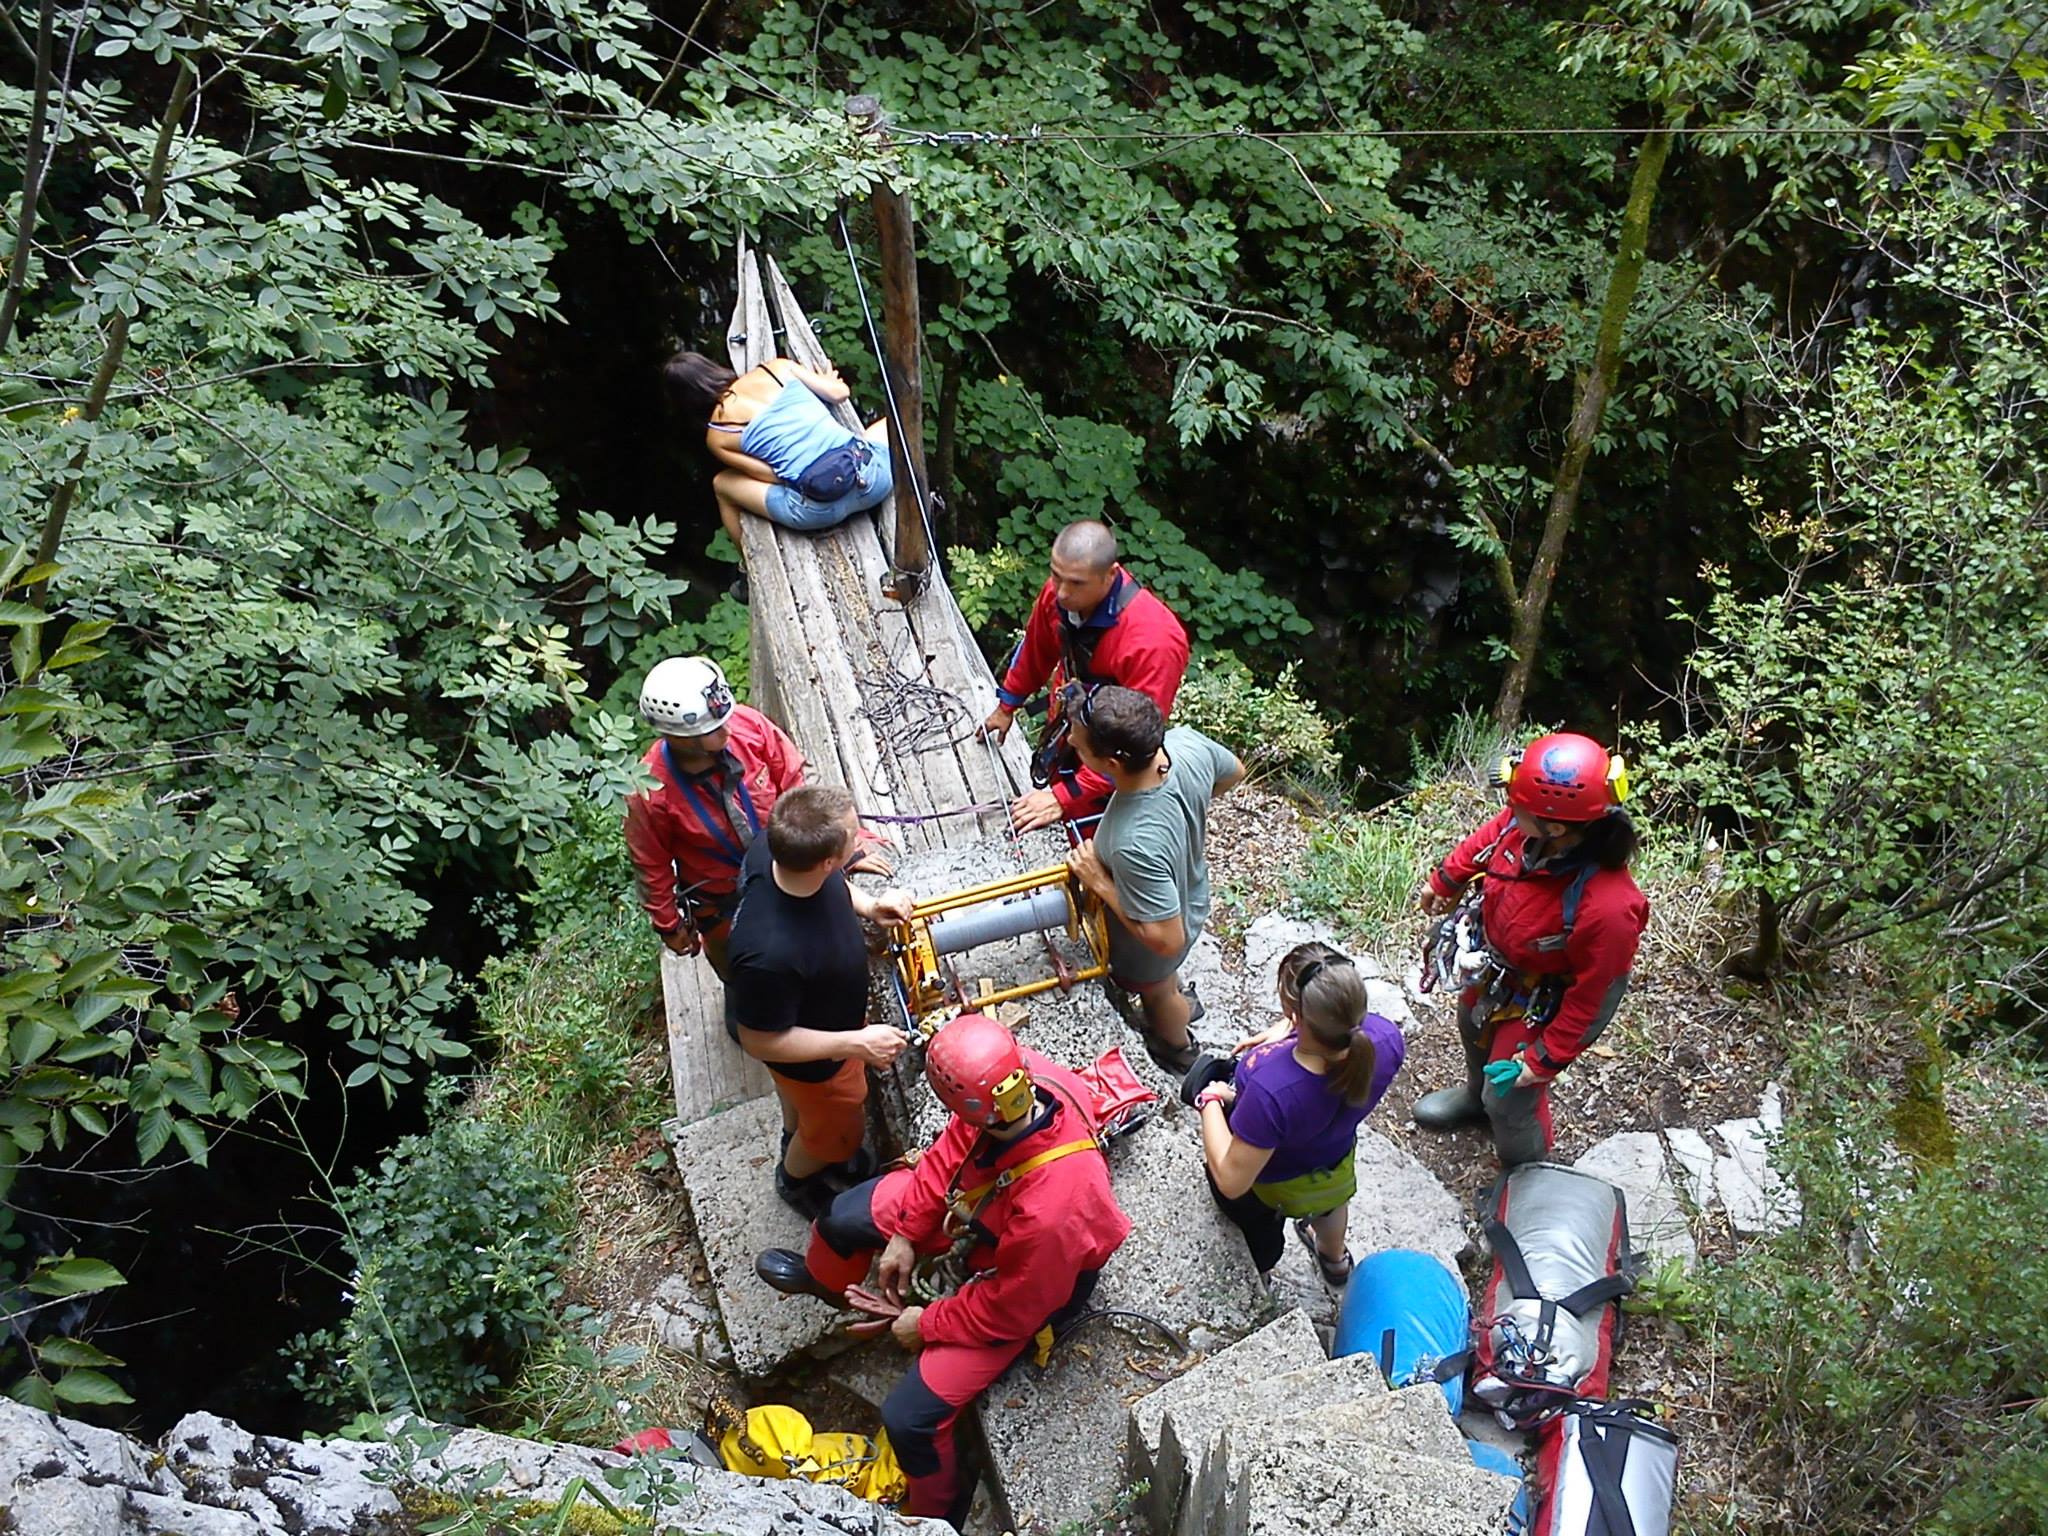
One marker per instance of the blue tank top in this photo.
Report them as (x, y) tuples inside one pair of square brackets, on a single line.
[(793, 432)]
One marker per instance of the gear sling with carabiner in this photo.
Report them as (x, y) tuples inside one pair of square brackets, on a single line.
[(946, 1272)]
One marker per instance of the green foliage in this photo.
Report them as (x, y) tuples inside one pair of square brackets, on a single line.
[(560, 1020), (722, 633), (1363, 865), (1265, 720), (1055, 470), (1887, 1349), (456, 1239), (1868, 732)]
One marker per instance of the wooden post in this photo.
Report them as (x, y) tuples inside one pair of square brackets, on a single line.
[(903, 330)]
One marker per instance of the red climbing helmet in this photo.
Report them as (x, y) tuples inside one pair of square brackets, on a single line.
[(1564, 777), (974, 1066)]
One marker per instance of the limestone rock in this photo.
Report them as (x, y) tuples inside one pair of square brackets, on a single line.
[(1755, 1197), (1634, 1162), (1201, 1421), (1369, 1491), (213, 1478), (1695, 1160)]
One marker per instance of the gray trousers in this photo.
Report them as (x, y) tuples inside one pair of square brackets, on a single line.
[(1519, 1118)]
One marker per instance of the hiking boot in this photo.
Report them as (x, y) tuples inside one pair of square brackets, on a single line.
[(1196, 1012), (1176, 1059), (1448, 1109), (857, 1169), (809, 1198), (784, 1270)]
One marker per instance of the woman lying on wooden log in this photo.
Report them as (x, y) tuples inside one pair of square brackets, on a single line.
[(787, 457)]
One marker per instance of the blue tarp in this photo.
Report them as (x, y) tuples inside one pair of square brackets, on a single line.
[(1408, 1312)]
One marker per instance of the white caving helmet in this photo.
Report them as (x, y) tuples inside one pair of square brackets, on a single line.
[(686, 696)]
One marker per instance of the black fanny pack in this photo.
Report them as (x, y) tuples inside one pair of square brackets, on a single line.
[(834, 473)]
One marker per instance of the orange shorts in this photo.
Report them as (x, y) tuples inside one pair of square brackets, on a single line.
[(831, 1117)]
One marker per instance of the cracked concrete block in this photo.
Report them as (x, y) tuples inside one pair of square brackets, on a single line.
[(1634, 1162), (1199, 1420), (1414, 1421), (1695, 1165), (727, 1164), (1369, 1491), (1057, 1435), (1755, 1197), (1401, 1204), (1288, 1343)]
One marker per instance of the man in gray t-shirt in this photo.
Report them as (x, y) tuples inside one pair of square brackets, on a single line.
[(1149, 862)]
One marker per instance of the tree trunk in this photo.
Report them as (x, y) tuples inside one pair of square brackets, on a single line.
[(1596, 387), (31, 176), (117, 333)]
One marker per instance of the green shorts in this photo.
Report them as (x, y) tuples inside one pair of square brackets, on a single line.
[(1315, 1193)]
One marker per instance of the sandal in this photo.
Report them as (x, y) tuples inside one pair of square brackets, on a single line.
[(1335, 1273), (1176, 1059)]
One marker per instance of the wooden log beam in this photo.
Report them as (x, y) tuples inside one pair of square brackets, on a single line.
[(903, 336)]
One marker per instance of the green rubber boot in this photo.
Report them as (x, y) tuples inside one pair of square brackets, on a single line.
[(1449, 1108)]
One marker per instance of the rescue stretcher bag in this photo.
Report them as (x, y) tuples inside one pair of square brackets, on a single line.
[(1602, 1470), (1546, 1323), (1408, 1312)]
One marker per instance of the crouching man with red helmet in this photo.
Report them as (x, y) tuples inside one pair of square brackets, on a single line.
[(1018, 1178), (1548, 940)]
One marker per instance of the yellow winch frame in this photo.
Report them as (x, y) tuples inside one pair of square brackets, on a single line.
[(923, 973)]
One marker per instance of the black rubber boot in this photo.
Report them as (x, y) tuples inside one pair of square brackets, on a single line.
[(1449, 1109), (785, 1271), (809, 1198), (857, 1169)]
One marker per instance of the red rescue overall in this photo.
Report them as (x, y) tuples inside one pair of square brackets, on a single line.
[(1523, 914), (688, 835), (1131, 639), (1042, 1239)]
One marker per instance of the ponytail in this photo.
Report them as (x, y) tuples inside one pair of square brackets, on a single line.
[(1323, 988)]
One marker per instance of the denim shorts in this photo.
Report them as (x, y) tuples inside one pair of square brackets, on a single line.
[(792, 509)]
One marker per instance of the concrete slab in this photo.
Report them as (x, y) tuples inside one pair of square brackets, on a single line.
[(1694, 1161), (1288, 1343), (727, 1164), (1056, 1435), (1271, 1400), (1634, 1162), (1401, 1204), (1368, 1490)]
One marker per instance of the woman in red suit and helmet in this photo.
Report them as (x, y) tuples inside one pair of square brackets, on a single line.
[(1540, 923)]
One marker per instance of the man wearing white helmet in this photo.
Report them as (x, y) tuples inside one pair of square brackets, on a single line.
[(719, 767)]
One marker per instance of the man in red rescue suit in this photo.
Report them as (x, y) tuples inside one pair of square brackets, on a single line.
[(719, 768), (1092, 624), (1560, 916), (1018, 1177)]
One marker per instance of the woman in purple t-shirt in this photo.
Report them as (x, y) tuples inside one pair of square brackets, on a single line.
[(1279, 1138)]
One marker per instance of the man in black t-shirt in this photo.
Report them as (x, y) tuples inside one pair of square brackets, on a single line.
[(796, 997)]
